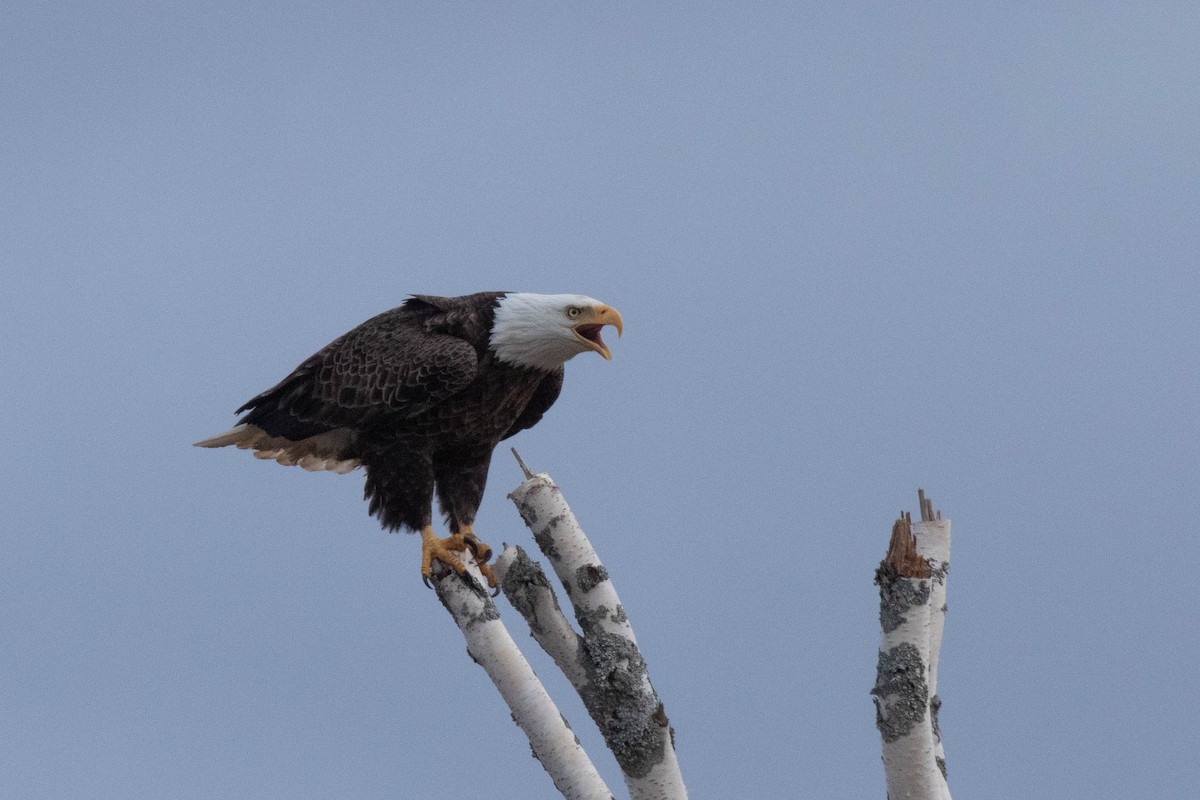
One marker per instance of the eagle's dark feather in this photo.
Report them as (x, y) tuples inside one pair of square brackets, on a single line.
[(414, 395)]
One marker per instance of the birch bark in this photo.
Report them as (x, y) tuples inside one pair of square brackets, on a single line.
[(904, 701), (933, 544), (603, 664), (490, 645)]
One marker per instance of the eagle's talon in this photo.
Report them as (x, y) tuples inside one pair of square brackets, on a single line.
[(481, 550), (486, 572)]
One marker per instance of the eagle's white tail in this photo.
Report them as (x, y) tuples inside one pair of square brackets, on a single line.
[(321, 452)]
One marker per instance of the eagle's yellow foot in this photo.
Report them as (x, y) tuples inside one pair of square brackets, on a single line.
[(445, 550), (449, 552)]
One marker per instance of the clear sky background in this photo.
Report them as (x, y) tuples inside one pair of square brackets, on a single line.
[(859, 248)]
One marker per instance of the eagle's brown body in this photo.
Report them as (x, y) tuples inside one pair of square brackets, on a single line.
[(416, 397), (419, 397)]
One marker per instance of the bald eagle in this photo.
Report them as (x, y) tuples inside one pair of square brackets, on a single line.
[(419, 396)]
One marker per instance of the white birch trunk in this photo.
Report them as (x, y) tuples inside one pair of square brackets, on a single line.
[(933, 544), (490, 645), (604, 664), (530, 593), (905, 714)]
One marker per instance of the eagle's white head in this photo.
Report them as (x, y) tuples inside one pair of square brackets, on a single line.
[(543, 331)]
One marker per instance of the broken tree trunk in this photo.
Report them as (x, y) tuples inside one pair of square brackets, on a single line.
[(912, 579)]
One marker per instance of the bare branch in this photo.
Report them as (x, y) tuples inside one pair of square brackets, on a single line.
[(524, 468)]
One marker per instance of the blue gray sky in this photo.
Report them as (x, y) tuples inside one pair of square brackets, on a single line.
[(859, 248)]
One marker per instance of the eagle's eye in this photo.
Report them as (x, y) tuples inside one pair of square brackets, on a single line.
[(574, 311)]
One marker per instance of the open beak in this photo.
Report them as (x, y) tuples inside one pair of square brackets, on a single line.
[(591, 321)]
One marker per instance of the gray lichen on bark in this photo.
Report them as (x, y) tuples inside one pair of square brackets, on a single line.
[(590, 620), (521, 574), (463, 615), (544, 535), (897, 595), (629, 718), (935, 705), (590, 576), (900, 687)]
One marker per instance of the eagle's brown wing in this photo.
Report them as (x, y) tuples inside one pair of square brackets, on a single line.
[(390, 366)]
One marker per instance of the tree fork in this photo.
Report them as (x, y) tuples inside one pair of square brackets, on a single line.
[(603, 663)]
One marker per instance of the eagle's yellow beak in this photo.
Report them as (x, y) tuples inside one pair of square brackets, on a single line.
[(591, 320)]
